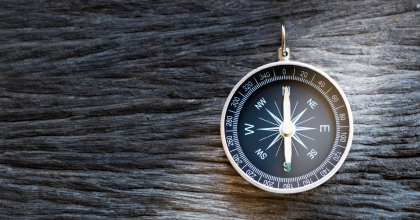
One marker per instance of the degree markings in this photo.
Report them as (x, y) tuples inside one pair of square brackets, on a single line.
[(282, 78), (328, 90)]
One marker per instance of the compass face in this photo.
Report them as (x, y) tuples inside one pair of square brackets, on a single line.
[(255, 121)]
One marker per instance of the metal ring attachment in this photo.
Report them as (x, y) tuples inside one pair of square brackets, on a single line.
[(283, 39)]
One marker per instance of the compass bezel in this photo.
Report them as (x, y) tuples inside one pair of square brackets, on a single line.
[(309, 186)]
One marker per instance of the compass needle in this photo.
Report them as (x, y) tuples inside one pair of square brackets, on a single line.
[(282, 111), (287, 129)]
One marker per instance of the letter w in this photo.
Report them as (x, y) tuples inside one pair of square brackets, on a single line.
[(248, 128)]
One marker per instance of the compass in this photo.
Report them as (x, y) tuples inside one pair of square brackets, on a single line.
[(287, 126)]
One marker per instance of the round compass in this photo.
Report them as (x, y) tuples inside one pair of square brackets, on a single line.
[(287, 126)]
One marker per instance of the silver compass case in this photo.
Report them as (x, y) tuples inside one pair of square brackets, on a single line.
[(256, 110)]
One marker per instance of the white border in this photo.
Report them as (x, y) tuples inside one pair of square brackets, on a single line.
[(299, 189)]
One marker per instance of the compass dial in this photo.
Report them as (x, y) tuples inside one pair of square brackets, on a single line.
[(287, 127)]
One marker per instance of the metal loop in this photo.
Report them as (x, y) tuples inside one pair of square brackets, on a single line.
[(283, 39)]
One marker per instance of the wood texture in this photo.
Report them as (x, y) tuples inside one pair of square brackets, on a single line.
[(111, 109)]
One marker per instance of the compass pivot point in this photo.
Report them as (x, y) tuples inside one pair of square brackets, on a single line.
[(287, 129)]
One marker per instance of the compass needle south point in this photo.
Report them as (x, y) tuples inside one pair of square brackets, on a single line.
[(287, 129)]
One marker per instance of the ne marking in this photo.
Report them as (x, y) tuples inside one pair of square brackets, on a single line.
[(331, 163), (313, 78), (233, 150), (339, 107), (230, 131), (256, 80), (294, 70), (274, 73), (232, 111)]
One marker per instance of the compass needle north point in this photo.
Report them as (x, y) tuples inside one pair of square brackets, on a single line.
[(286, 129)]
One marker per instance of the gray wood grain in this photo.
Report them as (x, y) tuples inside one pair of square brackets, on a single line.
[(111, 109)]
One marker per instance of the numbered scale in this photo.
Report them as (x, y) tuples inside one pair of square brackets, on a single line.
[(287, 126)]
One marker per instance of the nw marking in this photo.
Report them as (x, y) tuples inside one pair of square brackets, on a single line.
[(260, 103)]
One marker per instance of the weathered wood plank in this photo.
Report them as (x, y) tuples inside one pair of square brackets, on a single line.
[(112, 109)]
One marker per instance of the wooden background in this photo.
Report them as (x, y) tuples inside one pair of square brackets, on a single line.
[(111, 109)]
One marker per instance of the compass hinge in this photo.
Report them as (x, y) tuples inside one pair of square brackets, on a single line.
[(282, 56)]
